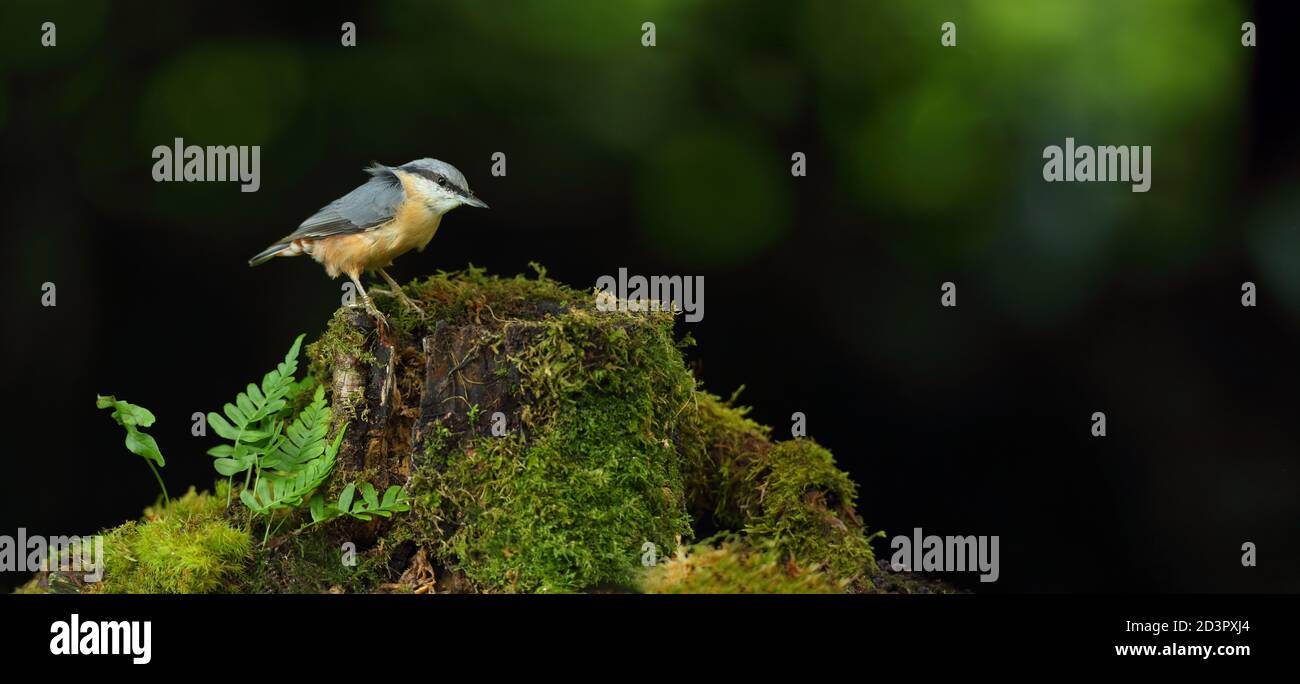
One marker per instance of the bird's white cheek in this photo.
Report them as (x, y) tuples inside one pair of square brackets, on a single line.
[(443, 206)]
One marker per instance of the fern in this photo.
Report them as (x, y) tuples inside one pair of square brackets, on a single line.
[(133, 418), (288, 490), (395, 501), (297, 464), (304, 437), (285, 464), (249, 422)]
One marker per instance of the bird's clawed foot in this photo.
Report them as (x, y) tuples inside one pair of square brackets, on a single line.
[(401, 296), (380, 320), (396, 290), (410, 304)]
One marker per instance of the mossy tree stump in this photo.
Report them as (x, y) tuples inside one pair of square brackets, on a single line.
[(548, 444)]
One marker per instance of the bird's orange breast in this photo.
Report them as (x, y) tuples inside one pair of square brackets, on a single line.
[(412, 227)]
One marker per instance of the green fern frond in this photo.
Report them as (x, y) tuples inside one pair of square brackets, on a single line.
[(249, 422), (276, 492), (286, 462), (305, 438), (142, 444), (257, 403), (395, 500)]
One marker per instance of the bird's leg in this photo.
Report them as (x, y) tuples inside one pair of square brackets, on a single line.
[(365, 298), (400, 294)]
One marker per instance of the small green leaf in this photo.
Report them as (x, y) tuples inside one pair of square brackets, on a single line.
[(221, 427), (236, 416), (141, 415), (125, 413), (368, 493), (228, 466), (251, 436), (345, 498), (317, 507), (245, 405), (143, 445)]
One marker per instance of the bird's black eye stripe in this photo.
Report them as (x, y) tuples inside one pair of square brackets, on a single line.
[(439, 179)]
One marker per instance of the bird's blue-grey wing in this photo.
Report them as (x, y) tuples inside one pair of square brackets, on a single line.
[(373, 203)]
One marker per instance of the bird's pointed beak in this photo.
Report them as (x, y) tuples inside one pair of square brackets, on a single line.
[(474, 201)]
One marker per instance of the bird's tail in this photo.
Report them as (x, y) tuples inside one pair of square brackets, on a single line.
[(268, 253)]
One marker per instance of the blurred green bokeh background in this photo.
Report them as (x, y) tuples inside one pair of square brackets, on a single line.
[(924, 166)]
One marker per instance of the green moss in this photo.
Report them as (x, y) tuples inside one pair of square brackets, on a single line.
[(314, 563), (570, 512), (800, 501), (719, 444), (570, 507), (341, 339), (468, 296), (789, 493), (731, 566), (474, 296), (187, 548)]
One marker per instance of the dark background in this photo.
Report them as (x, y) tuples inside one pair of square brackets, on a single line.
[(822, 292)]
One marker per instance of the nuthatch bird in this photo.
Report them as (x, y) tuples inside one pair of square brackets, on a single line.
[(397, 210)]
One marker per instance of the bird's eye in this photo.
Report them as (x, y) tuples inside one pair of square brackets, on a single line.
[(442, 180)]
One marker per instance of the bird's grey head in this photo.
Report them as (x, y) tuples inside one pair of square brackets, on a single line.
[(443, 184)]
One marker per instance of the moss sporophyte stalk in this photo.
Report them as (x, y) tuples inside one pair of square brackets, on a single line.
[(513, 438)]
